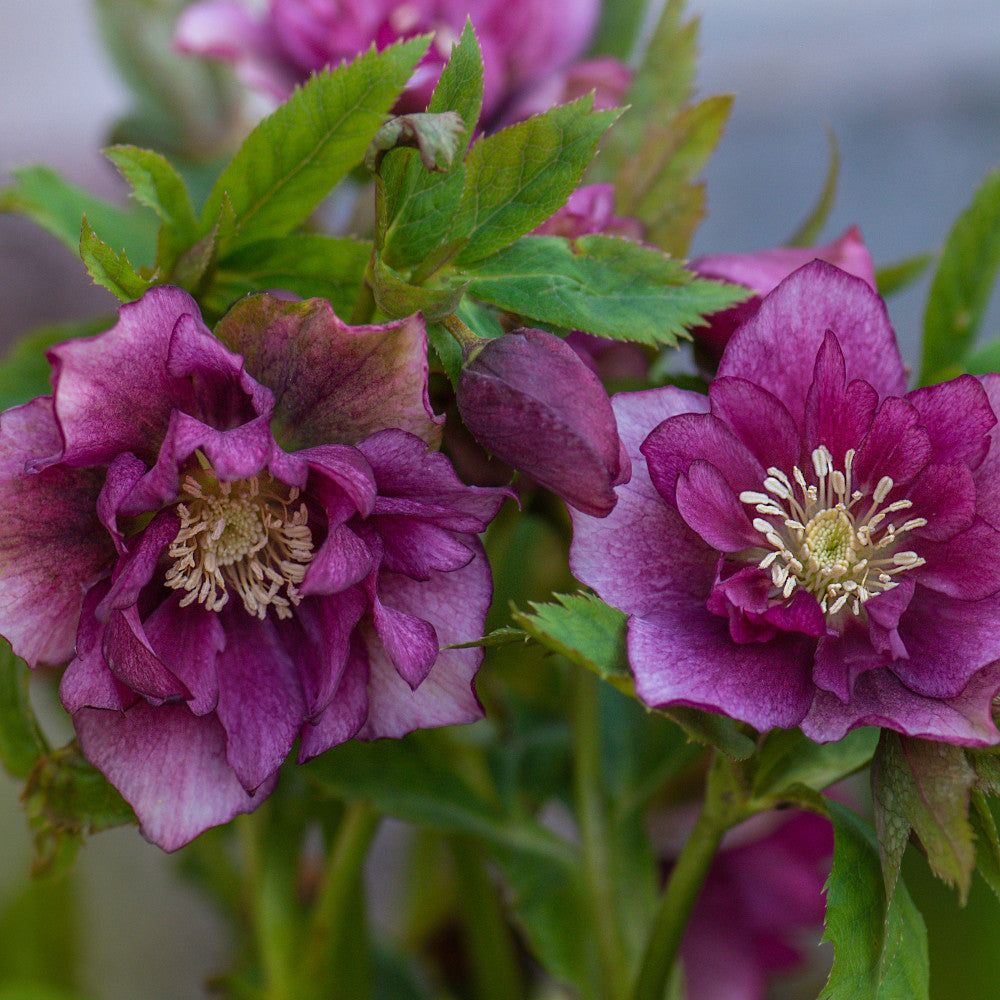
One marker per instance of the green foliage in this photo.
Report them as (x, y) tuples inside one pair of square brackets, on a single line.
[(786, 758), (58, 206), (892, 278), (606, 286), (807, 234), (925, 785), (661, 145), (962, 284), (109, 269), (295, 156), (618, 28), (880, 944), (21, 741)]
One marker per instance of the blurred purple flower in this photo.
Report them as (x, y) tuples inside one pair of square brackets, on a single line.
[(528, 46), (218, 596), (762, 271), (528, 399), (765, 888), (809, 544)]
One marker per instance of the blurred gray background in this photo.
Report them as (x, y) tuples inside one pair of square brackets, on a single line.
[(911, 88)]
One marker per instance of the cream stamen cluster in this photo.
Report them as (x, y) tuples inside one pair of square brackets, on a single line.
[(237, 536), (825, 541)]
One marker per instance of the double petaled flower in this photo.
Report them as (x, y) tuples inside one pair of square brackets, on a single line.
[(236, 551), (809, 544)]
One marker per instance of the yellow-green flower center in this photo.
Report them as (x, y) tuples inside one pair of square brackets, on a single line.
[(819, 536), (241, 537)]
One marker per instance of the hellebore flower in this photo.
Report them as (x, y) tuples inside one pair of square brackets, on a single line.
[(218, 596), (529, 399), (764, 889), (809, 545), (527, 45), (763, 270)]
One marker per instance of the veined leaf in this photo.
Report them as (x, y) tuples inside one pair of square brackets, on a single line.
[(295, 156), (109, 269)]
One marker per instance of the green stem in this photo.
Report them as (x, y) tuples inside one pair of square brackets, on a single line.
[(724, 807), (328, 921), (467, 340), (592, 811), (364, 308), (268, 908)]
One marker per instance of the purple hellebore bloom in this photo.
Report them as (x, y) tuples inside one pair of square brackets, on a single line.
[(528, 399), (809, 545), (763, 270), (763, 890), (525, 43), (219, 597)]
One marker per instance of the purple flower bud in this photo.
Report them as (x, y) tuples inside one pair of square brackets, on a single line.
[(529, 399)]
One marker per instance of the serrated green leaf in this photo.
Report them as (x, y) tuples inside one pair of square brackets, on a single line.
[(962, 284), (21, 741), (807, 234), (157, 185), (58, 206), (111, 270), (25, 372), (606, 286), (925, 785), (498, 637), (295, 156), (984, 828), (516, 179), (413, 779), (437, 138), (892, 278), (786, 757), (585, 630), (307, 264), (397, 298), (880, 947), (711, 730)]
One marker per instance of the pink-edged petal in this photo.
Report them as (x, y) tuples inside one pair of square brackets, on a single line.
[(948, 641), (776, 347), (664, 555), (800, 614), (53, 547), (127, 653), (346, 711), (962, 440), (758, 419), (340, 562), (881, 699), (455, 604), (409, 640), (189, 639), (261, 703), (944, 495), (895, 446), (678, 441), (682, 655), (170, 766), (966, 566), (332, 382), (709, 507)]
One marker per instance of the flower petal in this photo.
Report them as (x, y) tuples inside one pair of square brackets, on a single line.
[(962, 440), (758, 419), (709, 507)]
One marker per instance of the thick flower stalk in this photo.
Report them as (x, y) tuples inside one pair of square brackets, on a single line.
[(530, 48), (810, 545), (529, 399), (763, 270), (221, 595)]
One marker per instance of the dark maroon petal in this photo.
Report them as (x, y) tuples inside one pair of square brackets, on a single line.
[(53, 547), (945, 496), (776, 347), (741, 594), (758, 419), (170, 766), (416, 548), (682, 655), (709, 507), (343, 468), (966, 566), (896, 446), (333, 383), (948, 641), (881, 699), (189, 641), (340, 562), (455, 604), (410, 642), (124, 473), (346, 711), (801, 613), (261, 703), (663, 555), (991, 462), (678, 441), (135, 569), (958, 416), (129, 657)]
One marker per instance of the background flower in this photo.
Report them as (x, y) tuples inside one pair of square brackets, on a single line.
[(225, 596)]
